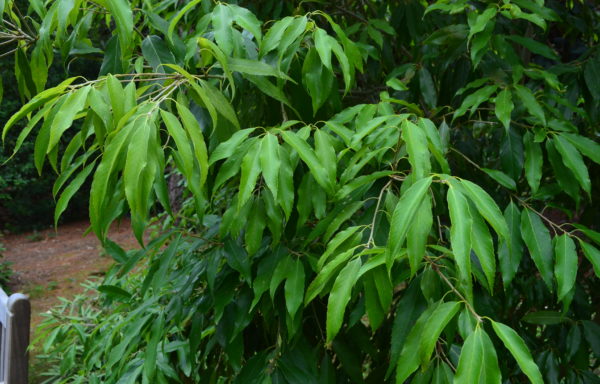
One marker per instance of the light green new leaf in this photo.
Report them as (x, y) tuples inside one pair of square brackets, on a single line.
[(478, 361), (592, 254), (460, 231), (504, 107), (404, 214), (418, 234), (194, 131), (487, 207), (296, 29), (573, 160), (565, 268), (225, 149), (270, 162), (416, 146), (530, 103), (515, 344), (250, 171), (340, 296), (121, 11), (66, 114), (325, 152), (432, 330), (323, 46), (274, 35), (483, 245), (294, 288), (254, 67), (537, 238), (70, 191), (533, 162), (334, 243), (308, 156)]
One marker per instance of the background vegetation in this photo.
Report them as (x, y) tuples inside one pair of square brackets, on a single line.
[(354, 191)]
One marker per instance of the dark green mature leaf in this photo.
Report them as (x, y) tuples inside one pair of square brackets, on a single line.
[(483, 245), (416, 146), (427, 87), (121, 11), (565, 269), (504, 107), (533, 162), (418, 234), (573, 160), (530, 103), (515, 344), (340, 295), (586, 146), (270, 163), (501, 177), (487, 207), (591, 74), (294, 288), (592, 254), (317, 79), (545, 317), (432, 330), (537, 238), (157, 53), (250, 171), (404, 213), (478, 360), (510, 257), (460, 231)]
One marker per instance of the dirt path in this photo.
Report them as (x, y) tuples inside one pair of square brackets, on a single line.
[(49, 264)]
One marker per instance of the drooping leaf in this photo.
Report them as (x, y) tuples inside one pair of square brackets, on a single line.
[(460, 231), (339, 297), (533, 162), (573, 160), (478, 360), (504, 107), (565, 268), (537, 238)]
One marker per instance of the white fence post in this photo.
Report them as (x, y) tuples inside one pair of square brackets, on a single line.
[(15, 316)]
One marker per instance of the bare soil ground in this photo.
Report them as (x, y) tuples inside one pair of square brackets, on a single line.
[(50, 264)]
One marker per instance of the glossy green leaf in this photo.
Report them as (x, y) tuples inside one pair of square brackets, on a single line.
[(530, 103), (250, 171), (416, 146), (404, 213), (487, 207), (533, 162), (483, 245), (537, 238), (573, 160), (587, 147), (592, 254), (478, 360), (340, 296), (294, 288), (515, 344), (502, 178), (418, 233), (225, 149), (565, 268), (545, 318), (433, 328), (460, 231), (510, 257), (70, 190), (504, 107), (270, 162)]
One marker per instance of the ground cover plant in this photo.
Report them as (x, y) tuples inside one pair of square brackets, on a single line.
[(353, 191)]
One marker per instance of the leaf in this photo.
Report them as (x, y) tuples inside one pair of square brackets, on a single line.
[(483, 245), (511, 153), (286, 182), (403, 215), (317, 79), (334, 243), (256, 68), (250, 171), (481, 20), (294, 288), (225, 149), (308, 156), (359, 182), (510, 258), (408, 362), (323, 46), (270, 162), (221, 18), (487, 207), (504, 107), (565, 268), (545, 318), (427, 87), (460, 231), (537, 238), (573, 160), (587, 147), (123, 16), (221, 104), (535, 47), (156, 52), (418, 234), (474, 100), (339, 297), (70, 191), (194, 131), (501, 178), (432, 330), (515, 344), (533, 162), (416, 146), (255, 227), (246, 19), (478, 360), (325, 151), (591, 74), (592, 254), (530, 103)]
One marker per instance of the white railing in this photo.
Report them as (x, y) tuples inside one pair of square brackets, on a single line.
[(15, 314)]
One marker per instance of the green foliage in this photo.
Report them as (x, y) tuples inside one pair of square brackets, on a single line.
[(358, 179)]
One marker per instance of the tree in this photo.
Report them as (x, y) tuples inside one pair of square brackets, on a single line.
[(373, 191)]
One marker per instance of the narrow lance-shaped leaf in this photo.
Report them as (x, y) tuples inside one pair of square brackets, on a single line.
[(70, 191), (460, 231), (592, 254), (339, 297), (573, 160), (478, 361), (504, 107), (531, 104), (533, 162), (294, 288), (270, 163), (250, 171), (432, 330), (418, 233), (483, 245), (537, 238), (487, 207), (416, 146), (517, 347), (565, 268), (510, 258), (403, 215)]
